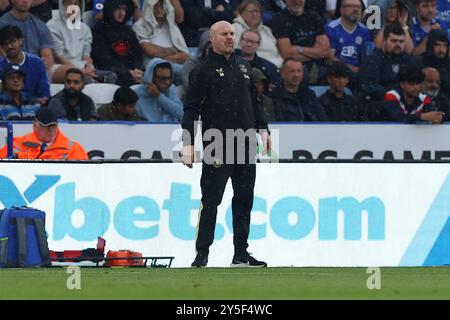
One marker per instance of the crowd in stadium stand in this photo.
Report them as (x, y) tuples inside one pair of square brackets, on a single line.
[(312, 60)]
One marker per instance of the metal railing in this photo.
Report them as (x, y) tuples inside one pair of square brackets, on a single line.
[(9, 136)]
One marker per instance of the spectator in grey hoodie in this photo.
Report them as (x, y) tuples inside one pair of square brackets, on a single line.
[(72, 46)]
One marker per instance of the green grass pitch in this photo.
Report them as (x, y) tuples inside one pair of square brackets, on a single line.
[(225, 283)]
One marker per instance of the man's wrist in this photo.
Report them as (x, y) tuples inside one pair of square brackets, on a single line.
[(262, 130), (423, 117), (301, 49)]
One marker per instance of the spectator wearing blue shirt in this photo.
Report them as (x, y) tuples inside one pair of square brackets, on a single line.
[(13, 104), (332, 7), (38, 39), (348, 37), (424, 21), (37, 85), (443, 10)]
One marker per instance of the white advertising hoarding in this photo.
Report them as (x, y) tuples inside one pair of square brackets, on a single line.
[(291, 141), (342, 214)]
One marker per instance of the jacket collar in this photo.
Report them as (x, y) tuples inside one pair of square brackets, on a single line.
[(415, 103), (302, 88), (59, 142), (220, 58), (391, 56), (334, 97)]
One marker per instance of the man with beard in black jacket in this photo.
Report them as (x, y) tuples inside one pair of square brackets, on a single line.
[(221, 91), (436, 56), (115, 46), (71, 103), (431, 86), (378, 73)]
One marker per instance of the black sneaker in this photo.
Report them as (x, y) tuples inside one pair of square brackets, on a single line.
[(246, 261), (200, 261)]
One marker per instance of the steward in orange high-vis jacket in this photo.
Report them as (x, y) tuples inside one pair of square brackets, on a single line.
[(46, 141)]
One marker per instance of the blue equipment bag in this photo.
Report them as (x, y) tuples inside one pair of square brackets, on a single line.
[(23, 241)]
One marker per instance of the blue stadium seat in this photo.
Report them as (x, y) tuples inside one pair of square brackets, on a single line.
[(134, 87), (100, 93), (193, 51), (319, 90), (88, 18), (369, 48), (55, 88)]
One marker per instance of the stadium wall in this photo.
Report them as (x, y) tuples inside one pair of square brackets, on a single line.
[(304, 214), (299, 141)]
